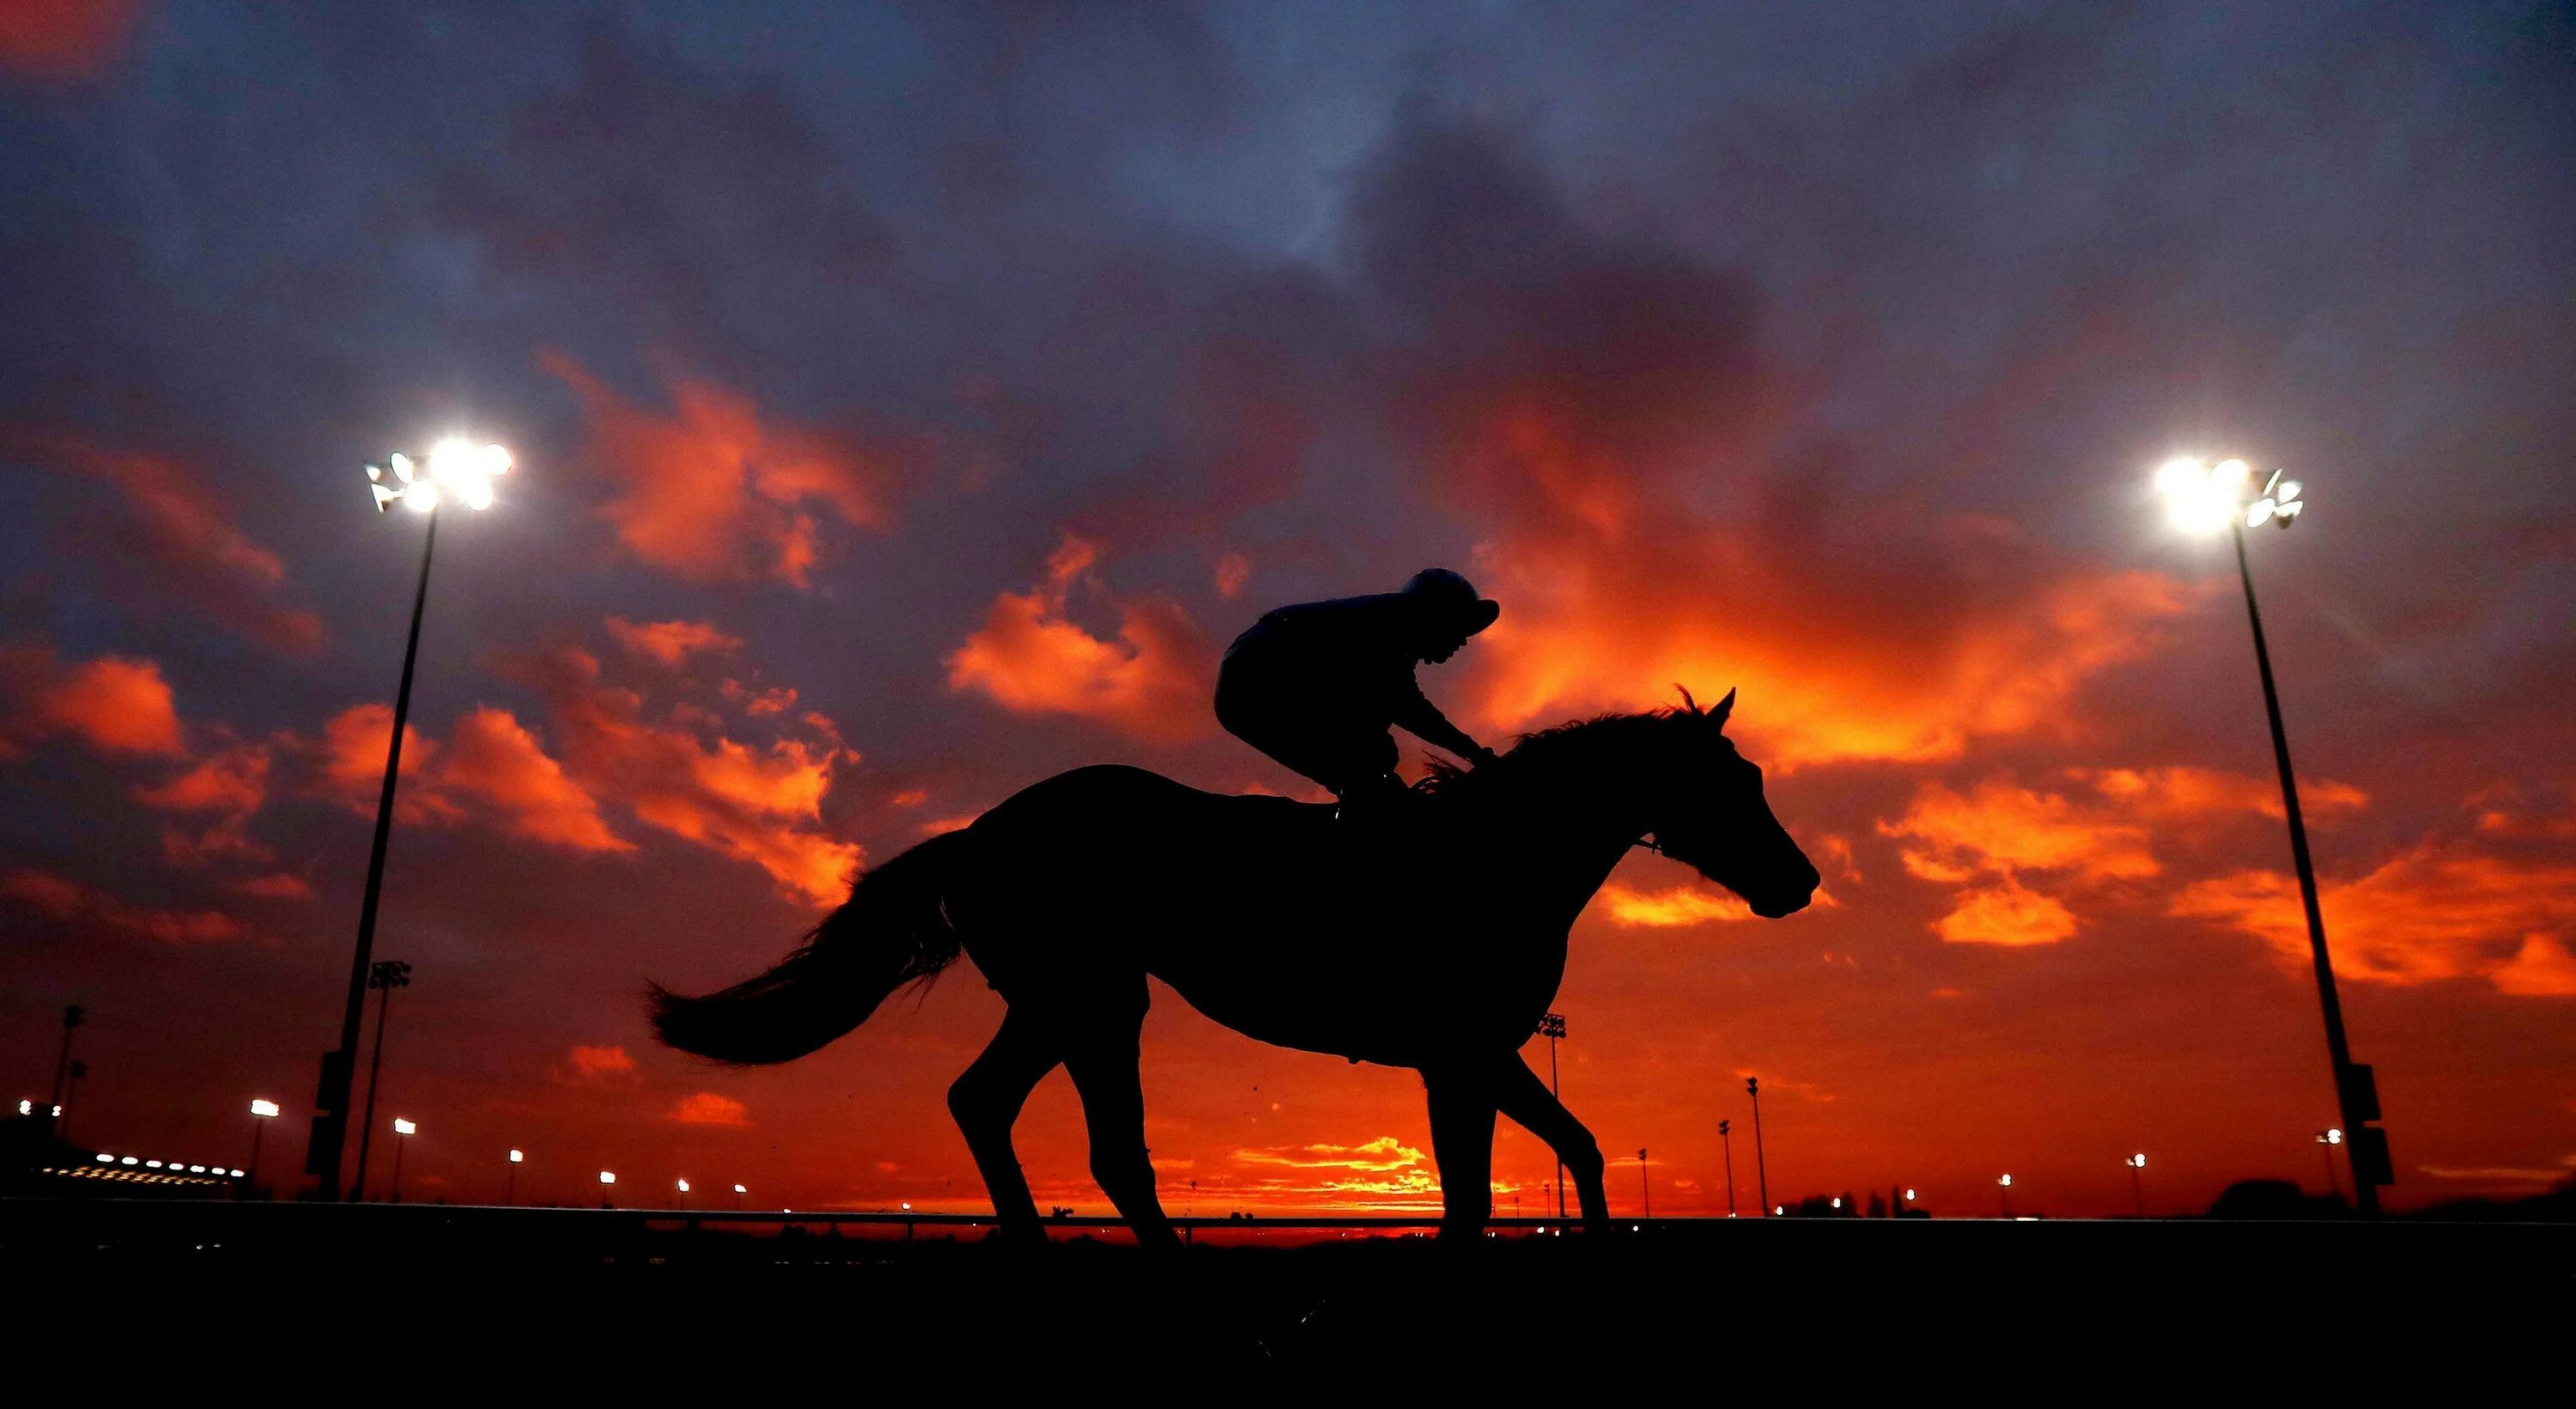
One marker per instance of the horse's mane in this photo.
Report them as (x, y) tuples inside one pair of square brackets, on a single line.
[(1604, 740)]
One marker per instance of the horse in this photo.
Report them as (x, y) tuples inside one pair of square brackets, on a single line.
[(1434, 939)]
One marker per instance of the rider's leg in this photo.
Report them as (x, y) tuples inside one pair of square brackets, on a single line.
[(1526, 1099), (1462, 1142), (1101, 1056), (986, 1101)]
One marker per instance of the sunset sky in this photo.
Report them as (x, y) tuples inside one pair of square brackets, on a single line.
[(910, 402)]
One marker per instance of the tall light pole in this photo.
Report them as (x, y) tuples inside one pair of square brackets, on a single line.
[(385, 976), (510, 1197), (1761, 1169), (1645, 1185), (71, 1094), (261, 1113), (2204, 499), (73, 1017), (739, 1191), (456, 470), (1552, 1027), (404, 1129), (2137, 1164), (2005, 1184), (1727, 1141), (2327, 1141)]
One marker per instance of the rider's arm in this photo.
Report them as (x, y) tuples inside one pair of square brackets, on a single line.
[(1419, 717)]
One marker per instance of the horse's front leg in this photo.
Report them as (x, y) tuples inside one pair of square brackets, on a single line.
[(1522, 1096), (1462, 1143)]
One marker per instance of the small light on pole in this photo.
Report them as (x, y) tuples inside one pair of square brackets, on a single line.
[(2137, 1164), (406, 1129), (510, 1198), (738, 1192), (2005, 1184), (2329, 1140), (605, 1179), (261, 1113)]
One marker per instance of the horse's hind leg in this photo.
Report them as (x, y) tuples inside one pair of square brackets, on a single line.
[(986, 1100), (1102, 1057)]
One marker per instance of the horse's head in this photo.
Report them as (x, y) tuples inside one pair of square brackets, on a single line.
[(1709, 812)]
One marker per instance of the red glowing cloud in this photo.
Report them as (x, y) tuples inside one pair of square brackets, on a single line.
[(60, 39), (671, 642), (75, 904), (2430, 913), (115, 704), (711, 492), (494, 757), (1154, 681), (708, 1108)]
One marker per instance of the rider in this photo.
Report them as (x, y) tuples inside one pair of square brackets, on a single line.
[(1317, 685)]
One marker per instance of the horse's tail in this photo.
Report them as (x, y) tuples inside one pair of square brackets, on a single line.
[(892, 931)]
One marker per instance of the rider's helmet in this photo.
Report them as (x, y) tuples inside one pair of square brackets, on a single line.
[(1451, 601)]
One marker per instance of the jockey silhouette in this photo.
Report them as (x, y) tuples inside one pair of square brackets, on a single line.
[(1316, 686)]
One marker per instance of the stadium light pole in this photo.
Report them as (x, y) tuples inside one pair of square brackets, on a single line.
[(455, 470), (2137, 1164), (510, 1198), (73, 1017), (1727, 1141), (261, 1113), (1761, 1168), (2327, 1140), (2202, 499), (405, 1130), (1552, 1027), (385, 975), (1645, 1184), (2005, 1197)]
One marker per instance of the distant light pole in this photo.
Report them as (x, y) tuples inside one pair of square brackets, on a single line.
[(385, 976), (71, 1096), (2328, 1140), (404, 1129), (510, 1198), (1552, 1027), (1645, 1184), (1728, 1142), (738, 1192), (684, 1193), (261, 1113), (2203, 499), (73, 1017), (2137, 1164), (2005, 1184), (455, 470), (607, 1181), (1761, 1169)]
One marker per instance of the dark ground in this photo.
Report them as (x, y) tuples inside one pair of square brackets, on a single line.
[(587, 1301)]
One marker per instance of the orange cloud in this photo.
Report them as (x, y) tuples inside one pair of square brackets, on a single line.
[(1999, 826), (597, 1066), (2006, 913), (712, 493), (1154, 681), (759, 805), (1380, 1155), (2169, 793), (708, 1108), (225, 789), (2431, 913), (1682, 905), (74, 903), (171, 523), (671, 642), (494, 757), (63, 39), (115, 704)]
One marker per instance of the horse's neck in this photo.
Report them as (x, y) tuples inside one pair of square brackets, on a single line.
[(1561, 853)]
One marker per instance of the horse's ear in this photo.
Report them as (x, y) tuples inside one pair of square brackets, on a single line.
[(1688, 703), (1725, 707)]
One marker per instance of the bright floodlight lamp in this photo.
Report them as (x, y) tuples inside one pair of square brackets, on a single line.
[(405, 1127), (266, 1110), (517, 1158), (607, 1178), (740, 1190), (105, 1158), (1909, 1196), (684, 1186), (2330, 1137), (457, 470), (2006, 1181)]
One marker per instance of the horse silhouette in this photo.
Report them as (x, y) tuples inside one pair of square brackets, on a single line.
[(1436, 944)]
